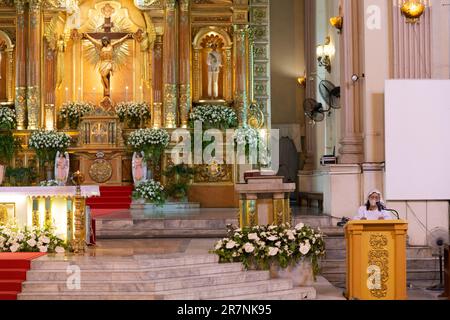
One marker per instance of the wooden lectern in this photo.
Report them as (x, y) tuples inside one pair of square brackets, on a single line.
[(376, 260)]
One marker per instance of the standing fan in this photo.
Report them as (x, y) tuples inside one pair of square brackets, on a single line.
[(330, 94), (314, 110), (438, 238)]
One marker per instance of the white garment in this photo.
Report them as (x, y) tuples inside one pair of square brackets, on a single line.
[(214, 63), (372, 215)]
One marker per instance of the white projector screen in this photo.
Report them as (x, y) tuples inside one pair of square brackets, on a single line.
[(417, 138)]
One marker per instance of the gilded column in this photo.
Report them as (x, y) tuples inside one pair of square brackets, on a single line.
[(241, 75), (157, 81), (49, 87), (170, 65), (352, 143), (21, 78), (34, 65), (185, 65)]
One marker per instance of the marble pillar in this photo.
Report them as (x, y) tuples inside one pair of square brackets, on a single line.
[(170, 58), (241, 74), (157, 79), (412, 45), (185, 63), (34, 65), (352, 143), (21, 78), (311, 84)]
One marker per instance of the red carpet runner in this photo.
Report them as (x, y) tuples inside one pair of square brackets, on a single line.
[(112, 198), (13, 271)]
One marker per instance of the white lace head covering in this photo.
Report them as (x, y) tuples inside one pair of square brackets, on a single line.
[(377, 192)]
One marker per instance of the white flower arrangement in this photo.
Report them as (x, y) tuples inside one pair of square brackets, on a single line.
[(152, 141), (7, 118), (30, 239), (214, 116), (262, 246), (246, 135), (134, 112), (152, 191), (49, 183), (47, 143), (74, 111)]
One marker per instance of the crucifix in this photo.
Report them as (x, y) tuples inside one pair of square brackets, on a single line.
[(105, 44)]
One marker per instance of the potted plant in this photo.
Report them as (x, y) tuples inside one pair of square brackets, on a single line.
[(72, 112), (46, 144), (179, 177), (150, 191), (133, 113), (282, 249), (152, 142), (7, 150), (214, 117)]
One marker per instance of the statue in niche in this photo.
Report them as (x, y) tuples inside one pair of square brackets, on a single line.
[(214, 62), (62, 168), (139, 168)]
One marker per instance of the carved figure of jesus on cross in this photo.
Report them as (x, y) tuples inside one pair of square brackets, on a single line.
[(105, 43)]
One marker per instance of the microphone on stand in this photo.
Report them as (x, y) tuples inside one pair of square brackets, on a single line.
[(381, 206)]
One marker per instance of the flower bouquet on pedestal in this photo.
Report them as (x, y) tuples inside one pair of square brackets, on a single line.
[(151, 191), (72, 112), (285, 251)]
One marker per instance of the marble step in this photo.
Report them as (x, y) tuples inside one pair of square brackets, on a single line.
[(302, 293), (203, 293), (412, 264), (138, 274), (216, 292), (166, 233), (412, 275), (107, 263), (315, 221), (148, 286)]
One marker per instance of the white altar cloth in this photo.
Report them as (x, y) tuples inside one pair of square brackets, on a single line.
[(86, 191)]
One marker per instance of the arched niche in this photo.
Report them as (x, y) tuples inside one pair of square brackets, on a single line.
[(200, 68), (6, 69)]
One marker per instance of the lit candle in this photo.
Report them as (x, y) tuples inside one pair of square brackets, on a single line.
[(67, 94), (79, 93), (126, 93), (142, 93)]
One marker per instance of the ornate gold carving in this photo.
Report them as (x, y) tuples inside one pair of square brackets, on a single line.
[(379, 256), (100, 171), (21, 105), (33, 104), (255, 116), (252, 213), (79, 240), (7, 213), (157, 114), (170, 105), (213, 172), (185, 103), (241, 107)]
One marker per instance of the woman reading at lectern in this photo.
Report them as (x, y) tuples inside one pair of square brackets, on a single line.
[(373, 209)]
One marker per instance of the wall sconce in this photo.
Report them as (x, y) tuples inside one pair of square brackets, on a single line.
[(324, 53), (302, 80), (337, 22), (412, 10)]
